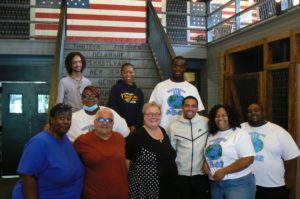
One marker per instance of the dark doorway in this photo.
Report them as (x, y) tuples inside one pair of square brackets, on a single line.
[(24, 113), (192, 76)]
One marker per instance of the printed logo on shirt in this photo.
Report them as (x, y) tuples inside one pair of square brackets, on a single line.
[(175, 101), (213, 154), (129, 97), (258, 144), (88, 128)]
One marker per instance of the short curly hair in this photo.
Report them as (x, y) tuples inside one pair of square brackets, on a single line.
[(57, 109), (69, 58), (232, 114)]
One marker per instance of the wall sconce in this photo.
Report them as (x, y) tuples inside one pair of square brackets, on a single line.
[(278, 7)]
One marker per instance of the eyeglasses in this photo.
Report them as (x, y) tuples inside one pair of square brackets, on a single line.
[(88, 96), (107, 120), (152, 114)]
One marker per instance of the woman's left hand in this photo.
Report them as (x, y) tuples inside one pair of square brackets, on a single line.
[(206, 169), (219, 174)]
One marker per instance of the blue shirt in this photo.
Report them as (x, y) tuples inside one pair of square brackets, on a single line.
[(56, 166)]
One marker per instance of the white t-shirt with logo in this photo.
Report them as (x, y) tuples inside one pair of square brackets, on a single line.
[(226, 147), (169, 96), (273, 145)]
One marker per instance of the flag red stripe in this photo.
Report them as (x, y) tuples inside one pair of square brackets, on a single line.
[(107, 39), (157, 9), (92, 17), (118, 7), (99, 39), (228, 12), (43, 37), (47, 15), (195, 38), (232, 6), (198, 31), (91, 28), (106, 17), (232, 13)]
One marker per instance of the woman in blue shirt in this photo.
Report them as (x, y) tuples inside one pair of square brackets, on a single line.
[(49, 167)]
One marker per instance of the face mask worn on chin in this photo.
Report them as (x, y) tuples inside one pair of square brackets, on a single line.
[(90, 108)]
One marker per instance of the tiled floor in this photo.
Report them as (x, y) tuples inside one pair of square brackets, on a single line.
[(6, 186)]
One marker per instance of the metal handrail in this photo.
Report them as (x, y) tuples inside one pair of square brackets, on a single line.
[(159, 42), (222, 27), (59, 49)]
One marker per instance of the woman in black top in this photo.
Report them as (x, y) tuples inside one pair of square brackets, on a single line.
[(153, 170), (127, 99)]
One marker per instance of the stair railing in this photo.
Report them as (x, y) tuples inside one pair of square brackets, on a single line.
[(159, 43), (59, 50)]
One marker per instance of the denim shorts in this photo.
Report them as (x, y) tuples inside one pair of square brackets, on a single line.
[(239, 188)]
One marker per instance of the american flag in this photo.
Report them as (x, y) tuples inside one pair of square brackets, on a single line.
[(229, 11), (228, 27), (197, 22), (95, 20)]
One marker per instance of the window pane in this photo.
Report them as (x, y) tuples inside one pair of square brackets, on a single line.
[(15, 103), (43, 102)]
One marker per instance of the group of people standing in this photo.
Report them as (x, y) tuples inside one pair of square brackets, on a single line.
[(163, 149)]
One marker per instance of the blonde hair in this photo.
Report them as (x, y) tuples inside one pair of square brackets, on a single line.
[(150, 104)]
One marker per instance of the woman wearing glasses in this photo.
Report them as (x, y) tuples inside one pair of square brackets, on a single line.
[(153, 170), (50, 167), (102, 152)]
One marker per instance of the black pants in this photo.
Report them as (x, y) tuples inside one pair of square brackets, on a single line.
[(272, 192), (193, 187)]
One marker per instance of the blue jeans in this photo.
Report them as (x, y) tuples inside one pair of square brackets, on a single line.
[(240, 188)]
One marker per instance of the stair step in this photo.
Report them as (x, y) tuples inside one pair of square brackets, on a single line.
[(116, 54), (109, 72), (103, 63), (104, 94), (83, 46), (110, 81)]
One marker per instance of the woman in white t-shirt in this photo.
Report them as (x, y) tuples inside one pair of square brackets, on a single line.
[(228, 153)]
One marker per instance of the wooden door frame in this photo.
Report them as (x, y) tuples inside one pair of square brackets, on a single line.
[(293, 65)]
